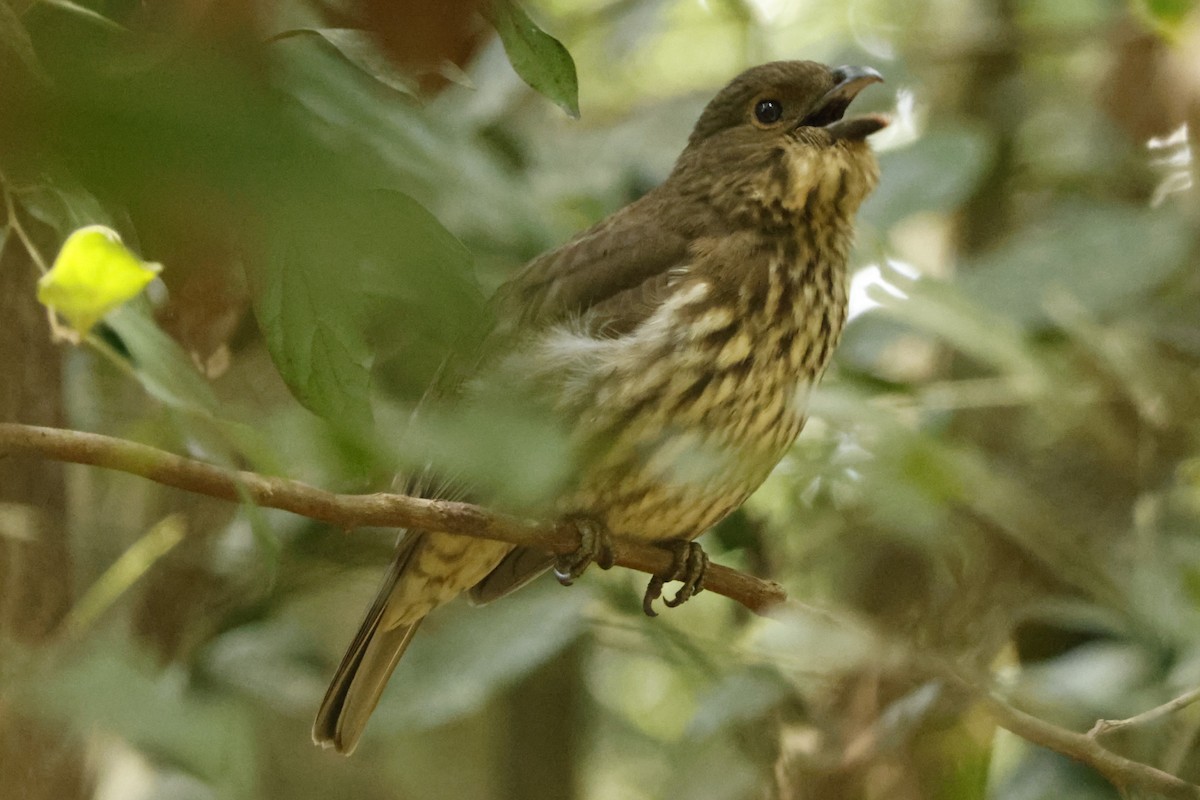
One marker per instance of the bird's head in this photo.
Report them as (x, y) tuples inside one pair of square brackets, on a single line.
[(777, 140)]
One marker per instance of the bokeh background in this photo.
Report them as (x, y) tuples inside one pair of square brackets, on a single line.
[(1001, 473)]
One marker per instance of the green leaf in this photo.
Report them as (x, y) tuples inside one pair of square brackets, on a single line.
[(539, 58), (740, 697), (360, 275), (444, 676), (269, 659), (360, 49), (159, 363), (1167, 15), (63, 204), (123, 573), (16, 48), (1101, 255), (959, 319), (505, 448), (935, 173), (311, 314), (106, 684), (93, 274), (423, 275)]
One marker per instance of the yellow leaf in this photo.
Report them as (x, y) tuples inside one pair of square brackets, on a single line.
[(93, 274)]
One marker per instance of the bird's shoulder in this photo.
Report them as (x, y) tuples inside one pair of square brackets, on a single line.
[(611, 276)]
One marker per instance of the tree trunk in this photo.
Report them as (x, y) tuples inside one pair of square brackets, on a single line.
[(35, 558)]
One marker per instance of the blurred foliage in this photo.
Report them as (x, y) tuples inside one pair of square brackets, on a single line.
[(1001, 472)]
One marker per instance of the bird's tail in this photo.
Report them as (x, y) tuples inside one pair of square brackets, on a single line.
[(361, 677)]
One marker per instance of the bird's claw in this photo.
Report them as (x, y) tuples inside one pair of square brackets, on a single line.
[(595, 545), (689, 564)]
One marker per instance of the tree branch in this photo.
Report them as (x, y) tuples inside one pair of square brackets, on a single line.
[(348, 511), (1121, 772), (401, 511), (1184, 700)]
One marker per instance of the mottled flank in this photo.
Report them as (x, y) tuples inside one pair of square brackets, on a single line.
[(677, 341), (441, 568), (684, 416)]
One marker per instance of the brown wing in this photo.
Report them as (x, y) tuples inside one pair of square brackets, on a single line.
[(610, 277), (612, 274)]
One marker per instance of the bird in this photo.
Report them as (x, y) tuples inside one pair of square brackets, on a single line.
[(676, 341)]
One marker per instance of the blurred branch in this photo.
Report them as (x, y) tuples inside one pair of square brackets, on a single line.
[(1104, 726), (1121, 772), (393, 510), (990, 39), (992, 83), (353, 511)]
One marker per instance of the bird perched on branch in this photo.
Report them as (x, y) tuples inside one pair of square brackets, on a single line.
[(677, 341)]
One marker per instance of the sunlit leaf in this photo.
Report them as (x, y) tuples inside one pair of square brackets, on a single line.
[(539, 58), (264, 536), (93, 274), (805, 642), (454, 73)]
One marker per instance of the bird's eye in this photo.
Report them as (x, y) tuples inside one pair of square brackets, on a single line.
[(768, 112)]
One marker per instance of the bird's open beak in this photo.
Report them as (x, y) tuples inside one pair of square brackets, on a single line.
[(832, 107)]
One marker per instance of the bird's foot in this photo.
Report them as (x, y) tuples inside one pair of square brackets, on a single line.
[(595, 545), (689, 564)]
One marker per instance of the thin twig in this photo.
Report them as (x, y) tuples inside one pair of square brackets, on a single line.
[(14, 222), (347, 511), (1121, 772), (1184, 700), (57, 332)]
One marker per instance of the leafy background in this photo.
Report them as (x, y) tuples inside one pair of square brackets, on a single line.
[(1002, 469)]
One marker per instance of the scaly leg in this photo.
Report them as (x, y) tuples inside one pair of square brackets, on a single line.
[(595, 545), (689, 564)]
